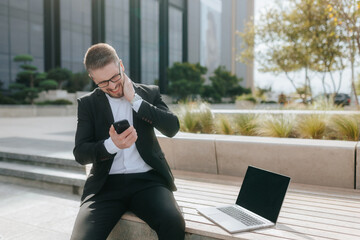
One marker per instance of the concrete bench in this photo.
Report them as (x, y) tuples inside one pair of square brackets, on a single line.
[(308, 212), (307, 161)]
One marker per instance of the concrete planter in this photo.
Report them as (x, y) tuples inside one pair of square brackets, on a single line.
[(37, 111), (316, 162)]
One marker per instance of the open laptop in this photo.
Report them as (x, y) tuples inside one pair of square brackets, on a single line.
[(258, 204)]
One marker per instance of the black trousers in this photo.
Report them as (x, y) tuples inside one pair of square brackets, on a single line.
[(144, 194)]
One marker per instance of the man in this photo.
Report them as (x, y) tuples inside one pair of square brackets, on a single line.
[(129, 170)]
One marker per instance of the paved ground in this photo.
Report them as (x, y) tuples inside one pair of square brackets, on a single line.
[(29, 213)]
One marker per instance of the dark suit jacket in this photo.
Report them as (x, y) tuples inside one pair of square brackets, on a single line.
[(94, 120)]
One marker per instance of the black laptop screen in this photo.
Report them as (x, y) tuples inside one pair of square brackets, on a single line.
[(263, 192)]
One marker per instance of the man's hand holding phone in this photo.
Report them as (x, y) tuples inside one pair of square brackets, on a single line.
[(124, 136)]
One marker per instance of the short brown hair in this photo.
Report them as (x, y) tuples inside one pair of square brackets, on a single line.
[(99, 55)]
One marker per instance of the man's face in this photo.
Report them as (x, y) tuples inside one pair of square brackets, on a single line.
[(110, 72)]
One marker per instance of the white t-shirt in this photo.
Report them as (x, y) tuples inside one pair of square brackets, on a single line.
[(126, 160)]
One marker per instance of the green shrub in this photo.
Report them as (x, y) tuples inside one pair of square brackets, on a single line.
[(246, 124), (7, 100), (246, 97), (79, 82), (311, 126), (55, 102), (48, 84), (185, 79), (60, 75), (277, 126), (345, 127), (224, 125), (196, 118)]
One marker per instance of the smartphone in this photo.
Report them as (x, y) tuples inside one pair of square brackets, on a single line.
[(121, 125)]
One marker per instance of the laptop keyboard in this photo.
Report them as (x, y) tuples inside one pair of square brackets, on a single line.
[(241, 216)]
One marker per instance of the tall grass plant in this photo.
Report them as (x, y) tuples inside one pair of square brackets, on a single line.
[(345, 127), (311, 126), (277, 126), (246, 124)]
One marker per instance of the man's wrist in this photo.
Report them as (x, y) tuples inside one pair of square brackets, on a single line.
[(110, 146)]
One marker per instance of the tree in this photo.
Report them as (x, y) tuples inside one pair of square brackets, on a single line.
[(224, 84), (79, 82), (48, 84), (28, 92), (185, 79), (61, 75), (27, 75), (346, 16), (298, 36)]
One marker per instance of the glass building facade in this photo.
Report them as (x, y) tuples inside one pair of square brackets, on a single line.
[(75, 32), (175, 35), (149, 41), (147, 34), (21, 27), (117, 34)]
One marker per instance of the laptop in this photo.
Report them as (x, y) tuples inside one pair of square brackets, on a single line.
[(258, 204)]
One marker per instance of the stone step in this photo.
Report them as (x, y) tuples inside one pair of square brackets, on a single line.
[(42, 177), (45, 161)]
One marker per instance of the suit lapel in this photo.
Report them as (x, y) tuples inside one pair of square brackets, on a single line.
[(135, 119), (103, 105)]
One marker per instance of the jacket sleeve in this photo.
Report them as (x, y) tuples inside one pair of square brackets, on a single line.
[(159, 115), (87, 149)]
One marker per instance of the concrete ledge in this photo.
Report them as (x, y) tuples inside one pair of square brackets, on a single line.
[(357, 167), (37, 111), (191, 154), (316, 162)]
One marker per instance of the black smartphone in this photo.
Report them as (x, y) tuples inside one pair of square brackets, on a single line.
[(121, 125)]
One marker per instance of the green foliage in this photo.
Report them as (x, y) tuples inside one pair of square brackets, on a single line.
[(185, 79), (311, 126), (23, 58), (7, 100), (196, 118), (16, 86), (48, 84), (346, 127), (247, 124), (30, 94), (224, 125), (208, 93), (61, 75), (28, 67), (225, 84), (301, 36), (55, 102), (26, 76), (246, 97), (277, 126), (79, 82)]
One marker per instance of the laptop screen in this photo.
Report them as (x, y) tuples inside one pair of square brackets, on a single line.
[(263, 192)]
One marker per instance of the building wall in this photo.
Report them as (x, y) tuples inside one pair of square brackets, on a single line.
[(21, 27), (117, 32), (58, 32), (75, 32), (234, 13)]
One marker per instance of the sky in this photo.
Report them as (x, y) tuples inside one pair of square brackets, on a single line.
[(280, 83)]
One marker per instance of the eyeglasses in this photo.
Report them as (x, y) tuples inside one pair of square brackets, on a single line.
[(114, 79)]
